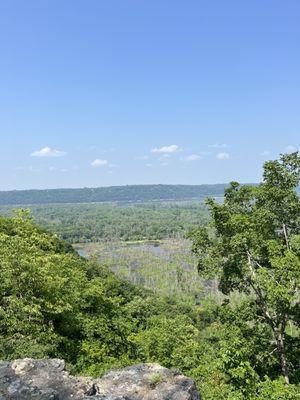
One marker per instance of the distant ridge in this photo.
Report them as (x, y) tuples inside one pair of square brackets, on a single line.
[(130, 193)]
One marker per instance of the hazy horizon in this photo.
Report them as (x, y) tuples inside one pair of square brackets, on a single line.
[(125, 185)]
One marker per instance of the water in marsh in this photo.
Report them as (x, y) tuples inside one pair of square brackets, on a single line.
[(82, 252), (166, 267)]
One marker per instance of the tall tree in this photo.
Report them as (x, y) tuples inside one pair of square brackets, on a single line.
[(253, 247)]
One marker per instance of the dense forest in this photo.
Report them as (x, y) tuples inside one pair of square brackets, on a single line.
[(56, 304), (240, 343), (130, 193), (80, 223)]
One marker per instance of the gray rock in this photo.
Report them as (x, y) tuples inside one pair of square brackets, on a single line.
[(48, 380), (148, 382)]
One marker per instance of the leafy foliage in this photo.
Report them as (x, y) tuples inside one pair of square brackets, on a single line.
[(243, 344), (54, 303), (253, 247), (83, 223)]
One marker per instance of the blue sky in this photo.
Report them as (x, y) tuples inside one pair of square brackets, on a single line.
[(97, 93)]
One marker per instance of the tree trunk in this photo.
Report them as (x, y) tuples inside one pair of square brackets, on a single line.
[(279, 337), (278, 332)]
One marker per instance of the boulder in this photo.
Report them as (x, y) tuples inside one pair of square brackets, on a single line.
[(48, 380)]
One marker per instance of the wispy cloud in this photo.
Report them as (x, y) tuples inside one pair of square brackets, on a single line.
[(223, 156), (290, 149), (99, 163), (48, 152), (173, 148), (192, 157)]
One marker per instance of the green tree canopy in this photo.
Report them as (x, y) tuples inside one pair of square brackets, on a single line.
[(253, 246)]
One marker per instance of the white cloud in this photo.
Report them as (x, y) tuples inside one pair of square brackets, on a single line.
[(164, 164), (218, 145), (223, 156), (48, 152), (173, 148), (290, 149), (265, 153), (192, 157), (99, 163)]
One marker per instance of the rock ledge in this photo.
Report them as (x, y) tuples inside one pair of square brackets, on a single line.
[(48, 380)]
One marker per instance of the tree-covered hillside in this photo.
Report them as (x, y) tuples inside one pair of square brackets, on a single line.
[(54, 303), (130, 193)]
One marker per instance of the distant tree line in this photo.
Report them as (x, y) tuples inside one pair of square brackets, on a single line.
[(130, 193), (81, 223)]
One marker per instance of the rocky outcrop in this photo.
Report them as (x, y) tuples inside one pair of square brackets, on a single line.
[(48, 380)]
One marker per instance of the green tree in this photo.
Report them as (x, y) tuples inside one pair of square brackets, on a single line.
[(253, 246)]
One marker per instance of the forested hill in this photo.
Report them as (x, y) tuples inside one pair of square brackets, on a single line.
[(130, 193)]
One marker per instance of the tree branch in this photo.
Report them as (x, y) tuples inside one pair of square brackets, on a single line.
[(284, 227)]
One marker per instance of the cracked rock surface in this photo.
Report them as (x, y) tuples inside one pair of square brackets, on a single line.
[(48, 380)]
